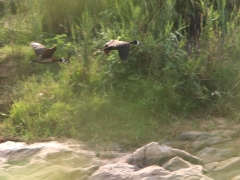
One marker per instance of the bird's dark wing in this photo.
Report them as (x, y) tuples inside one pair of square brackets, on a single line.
[(49, 52), (123, 50), (38, 48)]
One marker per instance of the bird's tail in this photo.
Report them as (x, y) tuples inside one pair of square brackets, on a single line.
[(98, 51), (33, 61)]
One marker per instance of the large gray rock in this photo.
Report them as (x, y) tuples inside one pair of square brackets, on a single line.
[(155, 154), (210, 154)]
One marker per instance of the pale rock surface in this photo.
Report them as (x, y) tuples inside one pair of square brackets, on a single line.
[(236, 178), (193, 135), (175, 164), (158, 173), (154, 172), (48, 161), (202, 139), (202, 143), (118, 171), (224, 170), (210, 154)]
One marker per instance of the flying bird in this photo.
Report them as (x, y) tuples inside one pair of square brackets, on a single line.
[(45, 55), (122, 47)]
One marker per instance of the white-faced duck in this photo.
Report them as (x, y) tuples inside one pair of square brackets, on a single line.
[(122, 47), (45, 55)]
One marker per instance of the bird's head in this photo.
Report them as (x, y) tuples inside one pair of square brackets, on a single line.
[(136, 42), (63, 60)]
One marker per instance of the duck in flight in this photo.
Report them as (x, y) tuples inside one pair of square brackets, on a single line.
[(45, 55), (122, 47)]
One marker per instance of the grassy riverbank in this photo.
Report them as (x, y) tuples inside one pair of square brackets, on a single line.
[(183, 68)]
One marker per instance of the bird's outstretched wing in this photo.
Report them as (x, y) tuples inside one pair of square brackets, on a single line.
[(123, 51), (49, 52), (38, 48)]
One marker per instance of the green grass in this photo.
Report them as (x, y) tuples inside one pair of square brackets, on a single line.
[(52, 111), (99, 98)]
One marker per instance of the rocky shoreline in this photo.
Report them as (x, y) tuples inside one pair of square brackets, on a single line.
[(195, 155)]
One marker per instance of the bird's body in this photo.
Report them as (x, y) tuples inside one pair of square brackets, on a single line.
[(122, 47), (45, 55)]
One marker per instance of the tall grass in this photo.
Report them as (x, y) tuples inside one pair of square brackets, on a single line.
[(189, 61)]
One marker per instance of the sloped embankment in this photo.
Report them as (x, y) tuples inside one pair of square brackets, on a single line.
[(9, 69)]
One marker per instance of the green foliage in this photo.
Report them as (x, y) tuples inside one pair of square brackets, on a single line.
[(189, 61), (64, 48)]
